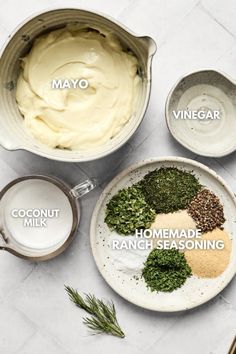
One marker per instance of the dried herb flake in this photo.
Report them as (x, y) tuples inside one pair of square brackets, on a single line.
[(165, 270), (128, 211)]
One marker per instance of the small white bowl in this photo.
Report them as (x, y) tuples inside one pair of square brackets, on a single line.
[(207, 91)]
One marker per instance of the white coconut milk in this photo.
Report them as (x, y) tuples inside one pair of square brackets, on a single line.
[(36, 214)]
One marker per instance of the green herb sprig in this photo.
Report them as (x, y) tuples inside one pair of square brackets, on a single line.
[(103, 319)]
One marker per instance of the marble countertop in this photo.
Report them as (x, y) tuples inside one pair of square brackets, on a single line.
[(35, 314)]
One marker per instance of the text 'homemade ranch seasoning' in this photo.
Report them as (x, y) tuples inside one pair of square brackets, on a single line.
[(90, 114), (161, 209)]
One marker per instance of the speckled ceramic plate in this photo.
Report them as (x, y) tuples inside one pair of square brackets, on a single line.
[(195, 291)]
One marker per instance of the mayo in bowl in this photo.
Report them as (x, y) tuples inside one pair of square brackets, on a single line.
[(77, 88)]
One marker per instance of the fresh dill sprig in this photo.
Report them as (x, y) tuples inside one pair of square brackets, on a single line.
[(103, 319)]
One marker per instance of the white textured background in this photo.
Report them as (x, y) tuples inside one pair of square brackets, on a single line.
[(35, 314)]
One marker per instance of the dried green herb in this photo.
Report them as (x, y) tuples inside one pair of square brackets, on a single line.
[(165, 270), (103, 319), (169, 189), (128, 211)]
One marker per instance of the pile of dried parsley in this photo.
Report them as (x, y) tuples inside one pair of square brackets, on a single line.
[(128, 211), (165, 270)]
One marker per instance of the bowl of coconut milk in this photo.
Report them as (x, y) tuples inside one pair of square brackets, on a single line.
[(39, 216)]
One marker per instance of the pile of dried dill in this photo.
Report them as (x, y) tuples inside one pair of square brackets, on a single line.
[(169, 189), (165, 270)]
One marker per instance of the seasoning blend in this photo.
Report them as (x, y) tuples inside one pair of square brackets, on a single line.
[(172, 199)]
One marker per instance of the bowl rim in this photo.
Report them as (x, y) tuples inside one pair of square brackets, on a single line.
[(148, 83), (168, 119), (75, 208)]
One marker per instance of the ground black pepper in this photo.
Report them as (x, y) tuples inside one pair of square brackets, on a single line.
[(207, 211)]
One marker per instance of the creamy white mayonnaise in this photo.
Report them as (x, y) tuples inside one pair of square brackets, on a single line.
[(77, 118)]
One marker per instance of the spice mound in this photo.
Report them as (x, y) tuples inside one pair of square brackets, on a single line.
[(177, 220), (212, 262), (128, 211), (207, 211), (165, 270), (169, 189)]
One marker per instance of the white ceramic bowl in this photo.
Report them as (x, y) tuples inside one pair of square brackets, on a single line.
[(208, 91), (12, 133)]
